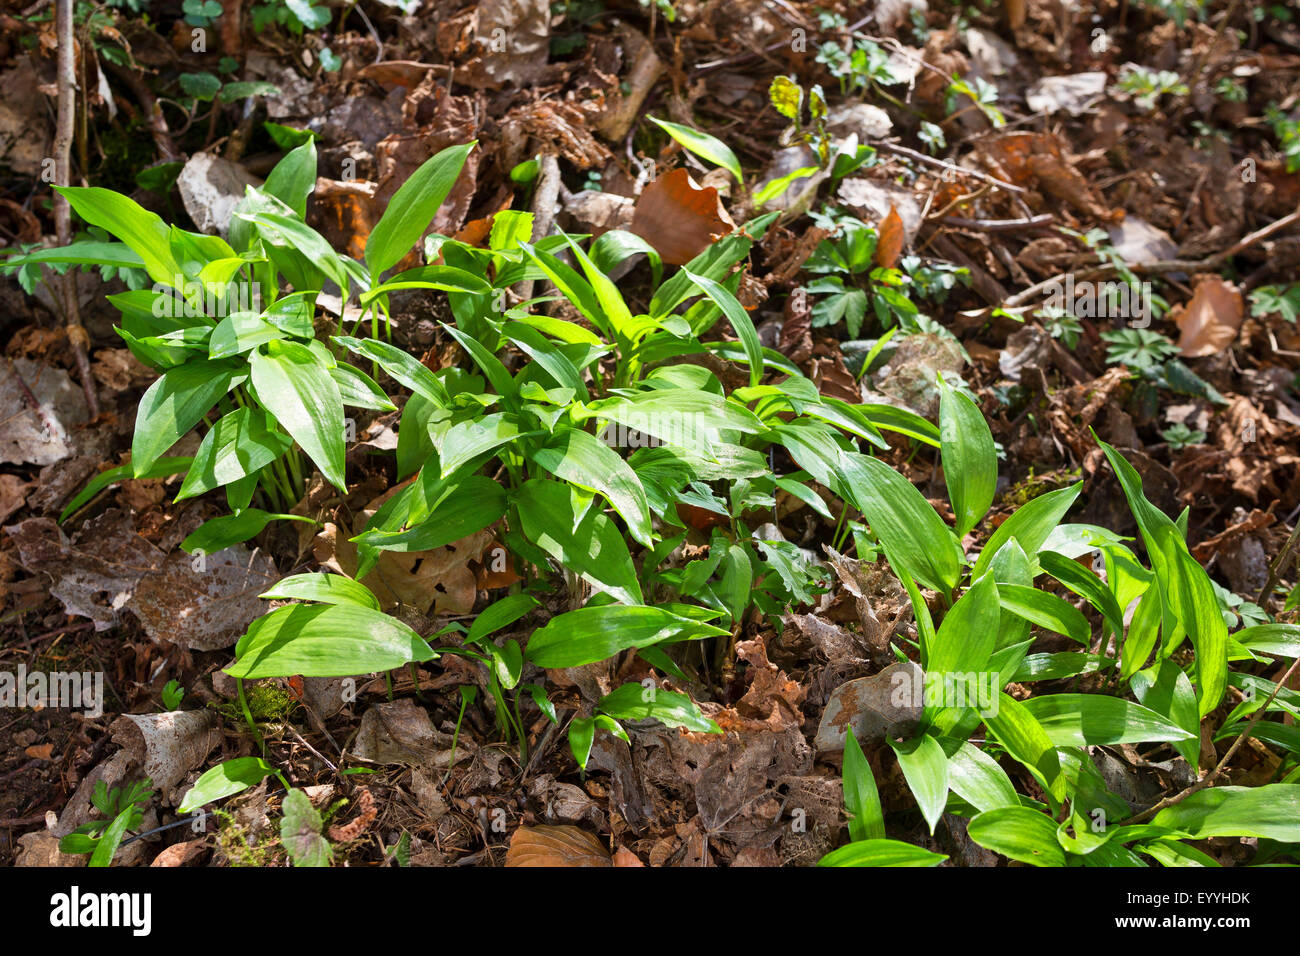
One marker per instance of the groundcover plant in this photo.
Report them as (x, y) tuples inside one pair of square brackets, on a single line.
[(790, 580)]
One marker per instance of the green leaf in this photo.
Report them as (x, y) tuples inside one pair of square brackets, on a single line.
[(911, 532), (1030, 525), (978, 779), (400, 365), (412, 208), (786, 97), (1278, 640), (143, 231), (926, 769), (112, 838), (881, 853), (240, 332), (162, 468), (325, 588), (224, 780), (321, 640), (1081, 720), (703, 145), (970, 461), (300, 832), (592, 634), (741, 323), (174, 404), (500, 614), (584, 460), (226, 531), (294, 177), (861, 799), (1087, 585), (116, 254), (968, 632), (1046, 610), (306, 240), (242, 90), (241, 443), (582, 540), (201, 86), (1020, 734), (582, 734), (1270, 812), (1020, 834), (359, 390), (471, 505), (295, 386), (1187, 591), (637, 702)]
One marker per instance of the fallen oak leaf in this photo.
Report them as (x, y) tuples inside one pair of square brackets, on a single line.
[(556, 846), (892, 237), (1210, 321), (679, 218)]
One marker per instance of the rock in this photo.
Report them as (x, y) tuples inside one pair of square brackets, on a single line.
[(210, 188)]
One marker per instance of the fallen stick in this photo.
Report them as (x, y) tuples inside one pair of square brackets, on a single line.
[(67, 92), (999, 225), (943, 164)]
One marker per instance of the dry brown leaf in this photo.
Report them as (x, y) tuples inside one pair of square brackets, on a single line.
[(555, 846), (892, 238), (40, 751), (1209, 323), (625, 857), (679, 218), (178, 854)]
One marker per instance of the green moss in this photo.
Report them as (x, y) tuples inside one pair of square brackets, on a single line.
[(1031, 486), (266, 700)]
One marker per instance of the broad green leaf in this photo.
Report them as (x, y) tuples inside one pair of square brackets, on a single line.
[(174, 404), (586, 461), (400, 365), (500, 614), (970, 460), (592, 634), (413, 207), (703, 145), (1018, 833), (926, 769), (465, 441), (321, 640), (637, 702), (143, 231), (294, 177), (295, 386), (359, 390), (323, 588), (911, 532), (585, 542), (311, 244), (226, 531), (1277, 640), (968, 632), (111, 839), (224, 780), (1081, 720), (861, 798), (1085, 584), (241, 443), (1021, 735), (1030, 525), (472, 505), (1046, 610), (881, 853), (116, 254), (1169, 693), (978, 779), (1270, 812)]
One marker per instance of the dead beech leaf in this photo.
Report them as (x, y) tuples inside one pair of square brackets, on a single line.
[(1210, 322), (1015, 11), (555, 846), (40, 751), (892, 237), (679, 218), (178, 854), (625, 857)]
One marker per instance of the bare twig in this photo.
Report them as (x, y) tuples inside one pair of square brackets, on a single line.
[(942, 164), (1000, 225), (1275, 571), (67, 88)]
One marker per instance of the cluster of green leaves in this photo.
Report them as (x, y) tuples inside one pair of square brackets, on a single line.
[(864, 66), (1147, 86), (837, 156), (223, 330), (123, 810), (1276, 300), (1145, 614), (848, 279)]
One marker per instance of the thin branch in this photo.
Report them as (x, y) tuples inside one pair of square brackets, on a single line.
[(67, 89)]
